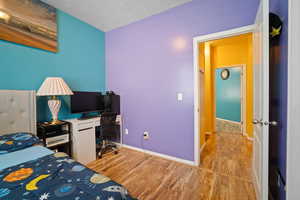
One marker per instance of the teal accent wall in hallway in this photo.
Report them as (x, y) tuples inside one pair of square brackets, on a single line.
[(228, 95), (80, 61)]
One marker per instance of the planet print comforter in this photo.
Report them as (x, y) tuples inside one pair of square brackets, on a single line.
[(57, 177), (17, 141)]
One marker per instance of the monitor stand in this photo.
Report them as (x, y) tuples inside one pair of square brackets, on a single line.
[(86, 116)]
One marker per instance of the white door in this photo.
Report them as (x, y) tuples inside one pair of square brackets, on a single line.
[(261, 100)]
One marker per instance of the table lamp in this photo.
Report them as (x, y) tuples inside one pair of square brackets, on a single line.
[(54, 86)]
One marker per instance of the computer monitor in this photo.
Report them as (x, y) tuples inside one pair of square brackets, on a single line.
[(86, 102)]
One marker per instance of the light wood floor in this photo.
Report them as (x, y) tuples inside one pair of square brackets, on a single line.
[(225, 172)]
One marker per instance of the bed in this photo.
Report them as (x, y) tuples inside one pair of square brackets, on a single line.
[(29, 171)]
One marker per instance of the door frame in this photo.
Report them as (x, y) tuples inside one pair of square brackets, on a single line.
[(243, 96), (196, 41)]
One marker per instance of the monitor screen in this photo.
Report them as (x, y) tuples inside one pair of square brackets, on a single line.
[(84, 102)]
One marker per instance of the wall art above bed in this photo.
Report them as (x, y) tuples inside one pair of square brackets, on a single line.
[(29, 22)]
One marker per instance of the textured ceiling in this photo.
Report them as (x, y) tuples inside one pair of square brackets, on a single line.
[(110, 14)]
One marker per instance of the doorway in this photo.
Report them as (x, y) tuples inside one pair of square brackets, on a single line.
[(230, 93), (225, 106), (225, 85), (226, 65), (201, 45)]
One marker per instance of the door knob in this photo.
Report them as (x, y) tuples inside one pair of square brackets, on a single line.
[(272, 123), (255, 121)]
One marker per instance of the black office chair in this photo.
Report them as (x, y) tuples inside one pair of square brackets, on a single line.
[(108, 131)]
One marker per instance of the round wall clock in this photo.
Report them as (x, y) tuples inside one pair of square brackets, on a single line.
[(225, 73)]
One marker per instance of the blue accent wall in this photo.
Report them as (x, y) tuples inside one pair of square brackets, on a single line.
[(228, 95), (80, 61)]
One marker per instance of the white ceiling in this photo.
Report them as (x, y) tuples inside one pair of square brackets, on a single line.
[(110, 14)]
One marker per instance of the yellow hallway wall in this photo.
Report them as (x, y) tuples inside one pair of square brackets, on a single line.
[(202, 120), (205, 96), (208, 87)]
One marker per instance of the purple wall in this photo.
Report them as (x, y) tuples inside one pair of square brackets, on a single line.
[(145, 68)]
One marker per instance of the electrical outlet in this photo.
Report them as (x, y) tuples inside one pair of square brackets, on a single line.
[(146, 135), (126, 131)]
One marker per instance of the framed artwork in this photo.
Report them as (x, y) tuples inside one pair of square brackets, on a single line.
[(29, 22)]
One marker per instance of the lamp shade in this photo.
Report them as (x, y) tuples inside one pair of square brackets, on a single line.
[(54, 86)]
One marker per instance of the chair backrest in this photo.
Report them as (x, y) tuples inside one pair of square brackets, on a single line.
[(108, 124), (108, 118)]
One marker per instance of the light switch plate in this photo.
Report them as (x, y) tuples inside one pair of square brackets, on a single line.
[(179, 96)]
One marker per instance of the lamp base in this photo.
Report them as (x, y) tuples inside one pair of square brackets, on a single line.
[(54, 106), (55, 122)]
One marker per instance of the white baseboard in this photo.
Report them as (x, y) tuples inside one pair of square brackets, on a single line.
[(226, 120), (188, 162)]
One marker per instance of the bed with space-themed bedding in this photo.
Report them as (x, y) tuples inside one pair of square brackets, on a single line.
[(29, 172), (17, 141)]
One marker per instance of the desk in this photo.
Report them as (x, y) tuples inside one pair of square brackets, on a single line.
[(83, 133)]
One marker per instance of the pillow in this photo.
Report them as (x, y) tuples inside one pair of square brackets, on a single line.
[(17, 141)]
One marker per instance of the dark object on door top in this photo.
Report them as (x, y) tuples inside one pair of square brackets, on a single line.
[(275, 26)]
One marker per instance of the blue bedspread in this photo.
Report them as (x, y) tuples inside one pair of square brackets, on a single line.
[(22, 156), (57, 177), (17, 141)]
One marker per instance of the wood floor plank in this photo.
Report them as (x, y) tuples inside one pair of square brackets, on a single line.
[(230, 188), (225, 172)]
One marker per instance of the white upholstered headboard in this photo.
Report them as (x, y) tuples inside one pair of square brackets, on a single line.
[(17, 111)]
